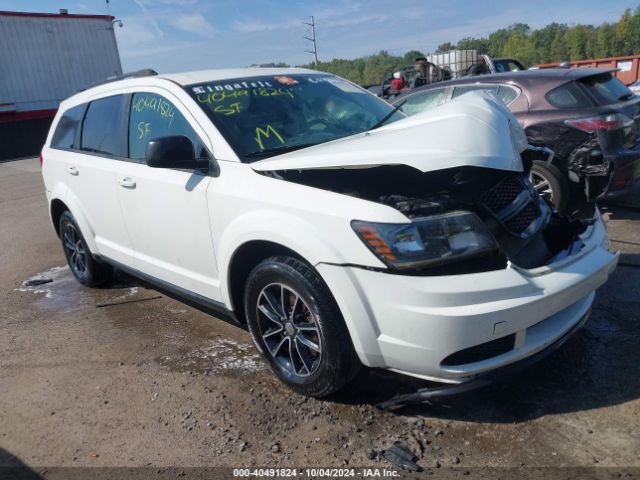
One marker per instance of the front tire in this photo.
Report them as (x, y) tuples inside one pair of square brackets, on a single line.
[(296, 324), (84, 267)]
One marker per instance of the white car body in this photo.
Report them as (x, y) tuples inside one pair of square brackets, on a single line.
[(144, 218)]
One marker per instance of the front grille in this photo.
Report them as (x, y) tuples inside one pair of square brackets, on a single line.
[(521, 221), (481, 352), (502, 194), (513, 204)]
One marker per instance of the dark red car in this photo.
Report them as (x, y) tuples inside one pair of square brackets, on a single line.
[(586, 116)]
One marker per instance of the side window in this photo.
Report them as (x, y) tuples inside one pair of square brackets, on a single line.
[(67, 134), (102, 127), (501, 66), (507, 94), (513, 67), (153, 116), (457, 91), (567, 96), (422, 101)]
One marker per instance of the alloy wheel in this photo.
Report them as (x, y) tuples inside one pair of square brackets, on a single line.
[(541, 185), (289, 330), (75, 250)]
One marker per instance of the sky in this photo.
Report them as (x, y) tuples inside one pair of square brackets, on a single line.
[(180, 35)]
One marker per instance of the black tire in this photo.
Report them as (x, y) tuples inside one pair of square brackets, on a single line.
[(84, 267), (551, 183), (311, 372)]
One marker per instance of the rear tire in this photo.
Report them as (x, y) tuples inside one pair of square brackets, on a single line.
[(84, 267), (296, 324), (551, 184)]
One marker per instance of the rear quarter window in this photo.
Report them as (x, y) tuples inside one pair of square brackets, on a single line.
[(422, 101), (505, 93), (568, 96), (508, 94), (102, 129), (67, 133), (457, 91)]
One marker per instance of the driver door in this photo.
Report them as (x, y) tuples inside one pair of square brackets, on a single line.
[(165, 209)]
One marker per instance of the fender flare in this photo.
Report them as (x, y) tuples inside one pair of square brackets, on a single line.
[(65, 195), (258, 225)]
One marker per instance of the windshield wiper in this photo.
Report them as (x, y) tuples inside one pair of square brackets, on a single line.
[(626, 96), (277, 150), (384, 119)]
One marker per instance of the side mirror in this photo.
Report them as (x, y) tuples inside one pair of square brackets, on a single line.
[(172, 152)]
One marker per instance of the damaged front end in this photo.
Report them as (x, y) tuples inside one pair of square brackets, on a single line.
[(463, 220), (457, 174)]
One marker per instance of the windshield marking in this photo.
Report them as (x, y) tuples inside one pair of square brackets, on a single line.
[(217, 97), (302, 110), (156, 103), (266, 133)]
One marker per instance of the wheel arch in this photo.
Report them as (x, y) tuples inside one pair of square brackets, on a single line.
[(244, 259), (64, 200), (57, 208)]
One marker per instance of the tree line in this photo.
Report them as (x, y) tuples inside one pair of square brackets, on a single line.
[(555, 42)]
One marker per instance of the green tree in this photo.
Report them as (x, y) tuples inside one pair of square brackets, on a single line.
[(634, 27), (445, 47), (624, 32), (555, 42), (521, 47), (543, 40), (576, 39), (559, 50), (410, 57), (482, 44), (497, 41), (605, 40), (521, 29)]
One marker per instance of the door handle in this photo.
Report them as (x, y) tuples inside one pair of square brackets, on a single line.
[(73, 170), (127, 182)]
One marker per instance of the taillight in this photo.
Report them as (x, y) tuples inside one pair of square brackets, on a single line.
[(41, 159), (604, 122)]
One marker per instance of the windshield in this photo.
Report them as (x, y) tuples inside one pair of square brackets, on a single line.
[(269, 115)]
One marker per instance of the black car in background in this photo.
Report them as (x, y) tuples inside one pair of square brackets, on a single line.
[(587, 117)]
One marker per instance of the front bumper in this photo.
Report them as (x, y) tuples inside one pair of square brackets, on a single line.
[(411, 324), (484, 380)]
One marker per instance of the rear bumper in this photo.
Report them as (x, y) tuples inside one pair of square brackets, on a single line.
[(625, 175), (412, 324)]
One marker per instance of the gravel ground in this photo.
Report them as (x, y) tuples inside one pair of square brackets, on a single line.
[(87, 380)]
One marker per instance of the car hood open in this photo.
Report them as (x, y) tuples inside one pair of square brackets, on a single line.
[(475, 129)]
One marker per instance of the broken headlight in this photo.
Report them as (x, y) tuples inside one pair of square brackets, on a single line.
[(427, 241)]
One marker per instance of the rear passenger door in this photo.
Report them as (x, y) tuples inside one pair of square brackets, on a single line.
[(165, 209), (90, 157)]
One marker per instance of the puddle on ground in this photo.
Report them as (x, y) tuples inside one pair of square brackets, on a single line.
[(58, 289), (217, 356), (47, 282)]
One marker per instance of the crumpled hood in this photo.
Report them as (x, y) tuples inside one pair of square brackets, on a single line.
[(475, 129)]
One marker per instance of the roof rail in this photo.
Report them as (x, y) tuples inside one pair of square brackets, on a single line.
[(145, 72)]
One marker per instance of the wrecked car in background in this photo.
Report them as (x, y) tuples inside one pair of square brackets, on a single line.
[(341, 232), (587, 117)]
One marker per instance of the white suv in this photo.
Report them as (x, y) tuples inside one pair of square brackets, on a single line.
[(340, 232)]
